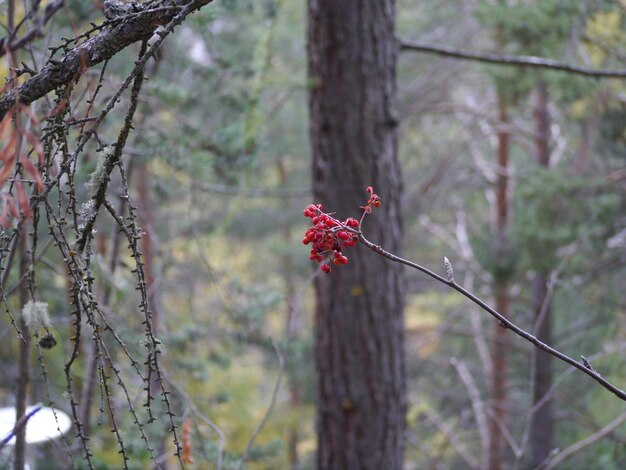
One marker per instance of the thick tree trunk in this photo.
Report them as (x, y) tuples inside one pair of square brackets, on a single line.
[(501, 289), (542, 420), (359, 349)]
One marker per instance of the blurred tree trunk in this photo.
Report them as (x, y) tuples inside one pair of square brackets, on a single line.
[(359, 349), (23, 378), (502, 296), (542, 420), (148, 250), (293, 328)]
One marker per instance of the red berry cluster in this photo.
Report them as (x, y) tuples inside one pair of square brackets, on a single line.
[(329, 236), (374, 201)]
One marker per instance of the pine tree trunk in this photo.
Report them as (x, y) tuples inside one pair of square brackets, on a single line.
[(542, 420), (359, 349)]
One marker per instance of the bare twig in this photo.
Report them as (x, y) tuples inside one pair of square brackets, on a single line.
[(523, 61), (477, 405), (504, 322), (593, 438), (27, 38), (205, 419), (281, 370), (21, 423), (454, 440)]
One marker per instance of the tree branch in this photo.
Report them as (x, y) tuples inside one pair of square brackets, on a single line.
[(523, 61), (504, 322), (589, 440), (17, 43), (268, 412), (119, 35), (480, 415), (23, 421)]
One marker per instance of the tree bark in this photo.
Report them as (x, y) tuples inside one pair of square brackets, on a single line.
[(359, 349), (542, 421), (501, 289)]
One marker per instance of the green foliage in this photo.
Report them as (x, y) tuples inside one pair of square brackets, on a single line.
[(534, 28), (553, 211), (612, 128), (227, 105), (538, 28), (496, 255)]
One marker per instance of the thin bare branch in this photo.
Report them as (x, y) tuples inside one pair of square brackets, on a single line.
[(519, 61), (281, 370), (27, 38), (454, 440), (477, 406), (589, 440), (21, 423), (503, 321)]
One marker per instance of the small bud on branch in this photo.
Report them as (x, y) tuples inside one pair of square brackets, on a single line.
[(449, 271)]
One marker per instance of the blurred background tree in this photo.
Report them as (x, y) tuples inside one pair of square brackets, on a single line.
[(218, 168)]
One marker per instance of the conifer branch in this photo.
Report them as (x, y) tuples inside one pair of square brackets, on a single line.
[(114, 36)]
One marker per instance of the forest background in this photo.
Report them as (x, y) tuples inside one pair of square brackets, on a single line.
[(516, 174)]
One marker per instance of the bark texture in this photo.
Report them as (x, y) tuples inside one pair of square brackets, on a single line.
[(542, 422), (359, 347)]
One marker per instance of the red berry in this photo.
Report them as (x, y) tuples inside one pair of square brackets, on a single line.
[(350, 222), (343, 260), (344, 235), (326, 268)]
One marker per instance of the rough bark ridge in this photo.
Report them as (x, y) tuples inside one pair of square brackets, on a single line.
[(359, 314)]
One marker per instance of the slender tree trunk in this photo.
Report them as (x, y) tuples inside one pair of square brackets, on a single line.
[(542, 126), (359, 350), (542, 420), (23, 378), (501, 289)]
